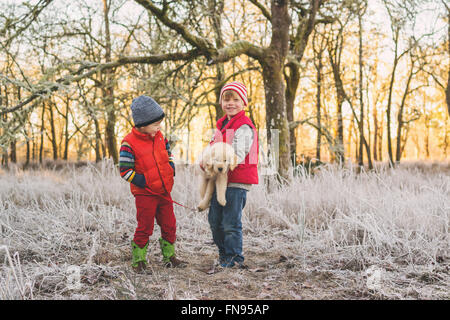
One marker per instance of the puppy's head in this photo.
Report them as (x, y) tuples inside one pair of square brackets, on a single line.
[(220, 167), (223, 158)]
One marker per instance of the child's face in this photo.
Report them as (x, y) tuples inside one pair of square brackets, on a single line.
[(151, 129), (231, 104)]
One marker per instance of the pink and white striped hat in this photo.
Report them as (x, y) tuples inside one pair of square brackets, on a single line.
[(238, 87)]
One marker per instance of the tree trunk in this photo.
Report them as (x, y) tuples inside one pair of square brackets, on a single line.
[(318, 105), (41, 147), (305, 28), (66, 131), (362, 140), (446, 139), (98, 141), (13, 145), (53, 131), (352, 134), (427, 136), (216, 7), (26, 134), (361, 102), (220, 78), (108, 93), (272, 64), (13, 152), (28, 154), (5, 155), (447, 92), (111, 141), (292, 81), (99, 145), (389, 104), (380, 142), (375, 133), (340, 100), (4, 118), (398, 151), (341, 97), (34, 146)]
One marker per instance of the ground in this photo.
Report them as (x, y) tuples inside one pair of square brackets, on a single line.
[(66, 233)]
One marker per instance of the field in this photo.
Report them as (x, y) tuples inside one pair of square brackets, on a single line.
[(334, 234)]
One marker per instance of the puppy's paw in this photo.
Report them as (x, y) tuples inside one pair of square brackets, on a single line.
[(202, 206), (222, 201)]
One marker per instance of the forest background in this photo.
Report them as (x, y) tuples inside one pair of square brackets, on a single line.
[(354, 80)]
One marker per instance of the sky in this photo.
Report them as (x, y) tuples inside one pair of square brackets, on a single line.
[(427, 20)]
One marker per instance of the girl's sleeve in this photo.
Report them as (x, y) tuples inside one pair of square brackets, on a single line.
[(126, 166)]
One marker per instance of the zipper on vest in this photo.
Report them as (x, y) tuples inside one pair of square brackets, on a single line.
[(157, 168)]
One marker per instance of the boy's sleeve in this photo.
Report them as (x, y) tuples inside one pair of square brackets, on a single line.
[(171, 162), (126, 166), (242, 142)]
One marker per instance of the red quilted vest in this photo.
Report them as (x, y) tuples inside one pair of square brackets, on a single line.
[(152, 160), (247, 171)]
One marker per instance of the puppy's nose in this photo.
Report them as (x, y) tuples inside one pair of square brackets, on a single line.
[(220, 169)]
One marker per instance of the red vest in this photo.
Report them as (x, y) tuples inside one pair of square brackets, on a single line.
[(152, 160), (247, 171)]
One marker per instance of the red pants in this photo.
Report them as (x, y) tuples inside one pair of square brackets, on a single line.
[(148, 208)]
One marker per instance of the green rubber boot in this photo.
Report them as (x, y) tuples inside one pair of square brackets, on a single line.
[(139, 262), (168, 252)]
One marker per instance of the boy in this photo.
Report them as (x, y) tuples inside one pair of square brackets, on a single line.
[(238, 130), (146, 162)]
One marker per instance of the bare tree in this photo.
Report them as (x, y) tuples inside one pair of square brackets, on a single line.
[(271, 58), (447, 91), (399, 12), (319, 50), (306, 14), (360, 11), (416, 65), (28, 13), (335, 46)]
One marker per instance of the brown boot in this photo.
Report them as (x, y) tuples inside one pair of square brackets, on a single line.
[(175, 263), (168, 252), (139, 261), (140, 268)]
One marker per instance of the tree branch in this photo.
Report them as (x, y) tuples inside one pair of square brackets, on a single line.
[(296, 123), (263, 9), (236, 49), (32, 14), (98, 67), (197, 42)]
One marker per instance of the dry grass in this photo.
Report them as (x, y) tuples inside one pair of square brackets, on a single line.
[(314, 239)]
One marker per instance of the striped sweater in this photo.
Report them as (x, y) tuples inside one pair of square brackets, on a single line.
[(126, 165)]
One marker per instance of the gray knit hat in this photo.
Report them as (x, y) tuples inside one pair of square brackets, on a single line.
[(145, 111)]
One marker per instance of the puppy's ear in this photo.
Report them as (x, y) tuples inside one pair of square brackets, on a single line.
[(206, 157)]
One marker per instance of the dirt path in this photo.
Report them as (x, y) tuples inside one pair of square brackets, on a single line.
[(270, 275)]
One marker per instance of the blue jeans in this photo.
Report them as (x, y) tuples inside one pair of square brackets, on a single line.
[(226, 225)]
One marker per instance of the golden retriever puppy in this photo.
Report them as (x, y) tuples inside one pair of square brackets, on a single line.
[(216, 160)]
